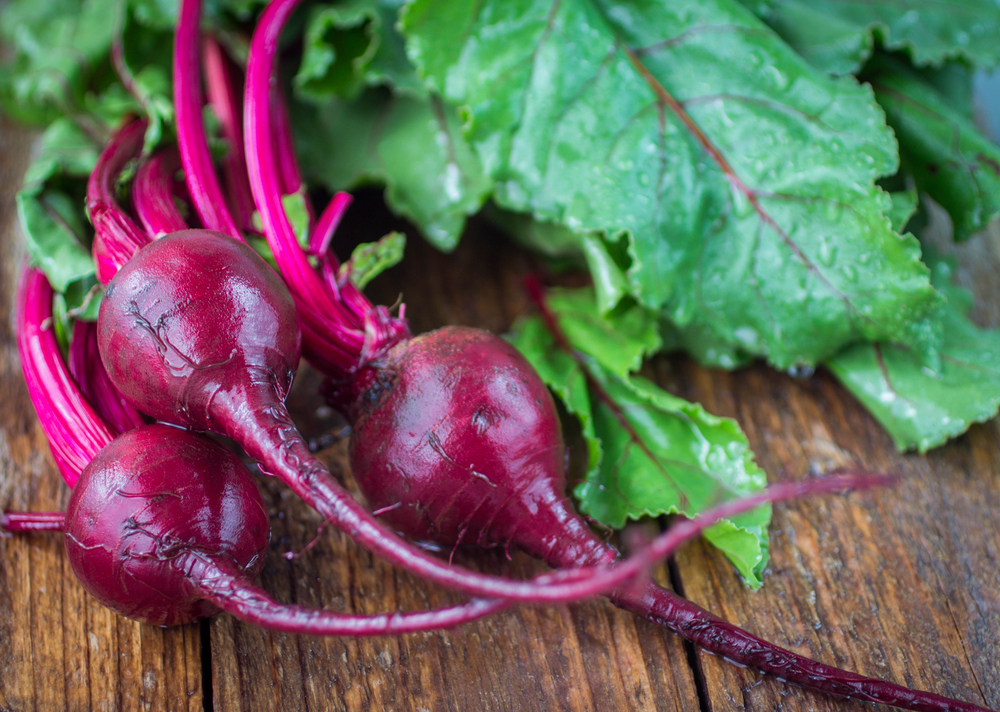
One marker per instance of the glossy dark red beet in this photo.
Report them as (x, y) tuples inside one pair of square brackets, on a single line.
[(457, 440), (148, 498), (208, 325)]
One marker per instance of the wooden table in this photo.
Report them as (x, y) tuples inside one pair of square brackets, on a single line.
[(901, 584)]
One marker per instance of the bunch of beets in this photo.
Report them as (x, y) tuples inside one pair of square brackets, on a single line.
[(454, 438)]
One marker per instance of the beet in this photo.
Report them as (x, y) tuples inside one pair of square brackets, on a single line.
[(458, 441), (198, 331), (145, 501)]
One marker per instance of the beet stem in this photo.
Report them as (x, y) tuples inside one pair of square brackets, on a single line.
[(271, 439), (153, 194), (116, 235), (74, 430), (705, 630), (228, 588), (333, 322), (203, 184), (223, 87), (91, 377), (16, 522)]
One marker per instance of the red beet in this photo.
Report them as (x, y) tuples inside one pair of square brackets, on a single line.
[(143, 503), (164, 524)]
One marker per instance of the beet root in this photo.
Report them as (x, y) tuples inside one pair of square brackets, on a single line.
[(459, 441), (195, 325), (149, 498)]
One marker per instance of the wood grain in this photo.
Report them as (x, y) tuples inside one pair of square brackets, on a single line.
[(902, 584)]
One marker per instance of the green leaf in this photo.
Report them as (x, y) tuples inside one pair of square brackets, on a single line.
[(617, 341), (837, 36), (297, 212), (746, 187), (64, 149), (350, 45), (53, 234), (691, 461), (919, 408), (904, 205), (370, 259), (412, 144), (941, 148), (830, 43), (59, 47), (564, 377), (337, 46), (670, 455)]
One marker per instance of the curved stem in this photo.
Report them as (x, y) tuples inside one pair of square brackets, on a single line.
[(153, 194), (222, 85), (715, 635), (288, 165), (228, 588), (203, 184), (267, 434), (116, 235), (340, 321), (92, 379), (75, 432)]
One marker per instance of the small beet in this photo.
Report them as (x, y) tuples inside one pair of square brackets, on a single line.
[(152, 496)]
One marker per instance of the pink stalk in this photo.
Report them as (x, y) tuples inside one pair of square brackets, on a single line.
[(154, 192), (206, 193), (344, 318), (117, 236), (223, 88), (20, 522), (75, 432), (319, 242), (88, 371), (203, 184), (288, 165)]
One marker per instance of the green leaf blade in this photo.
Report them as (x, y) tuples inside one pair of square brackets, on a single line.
[(649, 453), (920, 408), (587, 115), (940, 147), (412, 144), (838, 36)]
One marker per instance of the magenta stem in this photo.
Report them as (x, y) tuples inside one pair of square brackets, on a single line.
[(116, 235), (322, 236), (95, 385), (223, 85), (154, 193), (288, 165), (16, 522), (715, 635), (75, 432), (229, 589), (270, 438), (203, 184), (340, 328)]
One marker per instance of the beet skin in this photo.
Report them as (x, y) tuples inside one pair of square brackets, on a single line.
[(146, 500)]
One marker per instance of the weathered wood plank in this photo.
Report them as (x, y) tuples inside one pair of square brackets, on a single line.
[(60, 649)]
